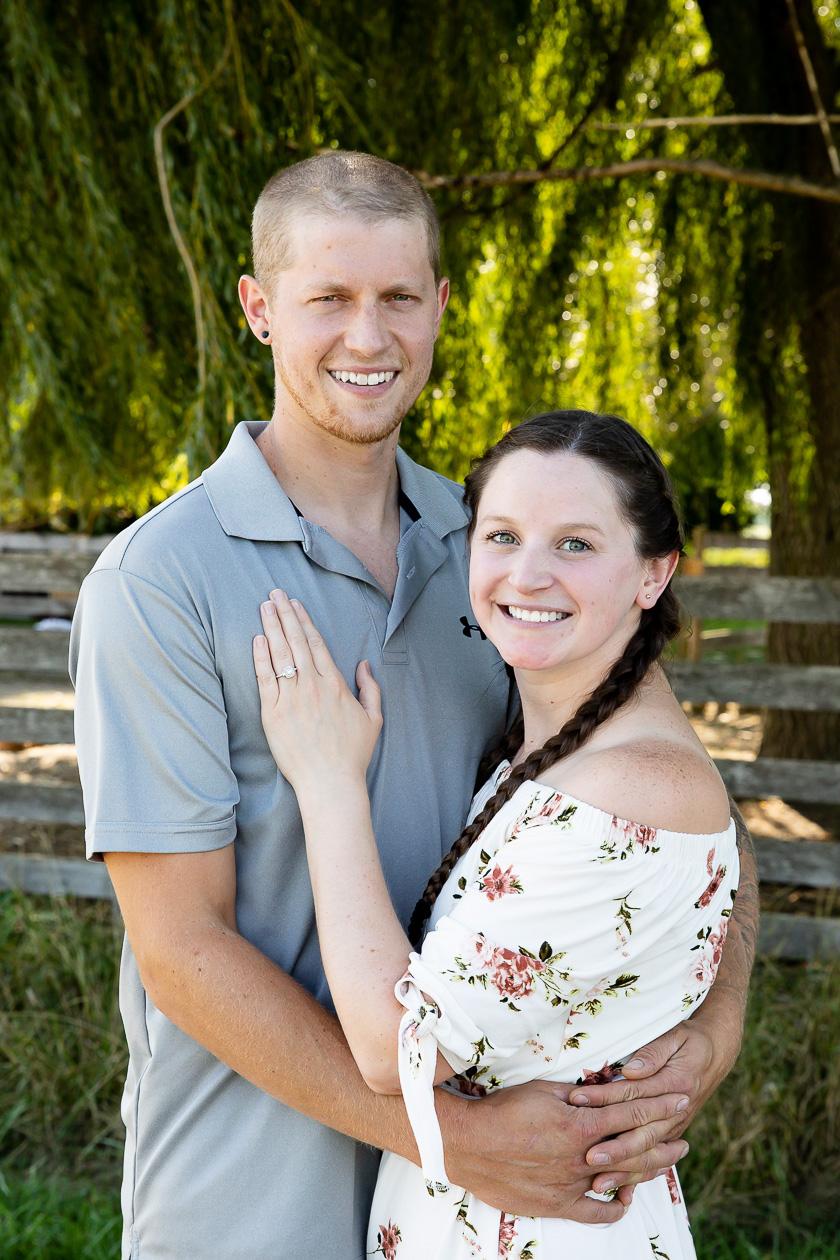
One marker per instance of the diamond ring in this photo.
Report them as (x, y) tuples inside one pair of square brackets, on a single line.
[(288, 672)]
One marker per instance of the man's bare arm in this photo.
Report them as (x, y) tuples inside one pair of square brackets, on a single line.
[(522, 1150), (694, 1057)]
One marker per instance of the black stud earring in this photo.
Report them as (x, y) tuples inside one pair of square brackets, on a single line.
[(266, 333)]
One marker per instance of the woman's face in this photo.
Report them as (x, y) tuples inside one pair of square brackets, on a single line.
[(555, 579)]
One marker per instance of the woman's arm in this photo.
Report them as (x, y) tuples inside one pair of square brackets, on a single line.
[(322, 739)]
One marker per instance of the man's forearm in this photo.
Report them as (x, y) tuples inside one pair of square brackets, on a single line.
[(223, 992), (727, 1000)]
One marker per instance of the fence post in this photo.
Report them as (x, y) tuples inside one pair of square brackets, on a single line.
[(692, 566)]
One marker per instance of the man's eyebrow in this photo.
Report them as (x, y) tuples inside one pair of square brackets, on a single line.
[(587, 527), (334, 286), (339, 286)]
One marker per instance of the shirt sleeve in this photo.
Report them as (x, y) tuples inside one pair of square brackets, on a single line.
[(151, 727)]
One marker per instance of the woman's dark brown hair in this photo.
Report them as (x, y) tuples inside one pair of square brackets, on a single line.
[(646, 500)]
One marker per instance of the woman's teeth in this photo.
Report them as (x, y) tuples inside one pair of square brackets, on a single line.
[(532, 614), (363, 378)]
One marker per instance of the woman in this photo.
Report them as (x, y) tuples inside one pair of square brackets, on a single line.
[(583, 909)]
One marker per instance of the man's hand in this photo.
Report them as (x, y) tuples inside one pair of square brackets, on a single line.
[(694, 1057), (691, 1059), (524, 1149)]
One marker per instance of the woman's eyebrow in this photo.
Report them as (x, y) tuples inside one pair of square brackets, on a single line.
[(584, 526)]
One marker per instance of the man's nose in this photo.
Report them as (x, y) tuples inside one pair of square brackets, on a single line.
[(366, 332)]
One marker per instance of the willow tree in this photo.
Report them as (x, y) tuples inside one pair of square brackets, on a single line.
[(629, 266)]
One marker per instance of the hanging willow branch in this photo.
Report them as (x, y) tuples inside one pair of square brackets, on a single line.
[(638, 166), (813, 88), (715, 120), (177, 236)]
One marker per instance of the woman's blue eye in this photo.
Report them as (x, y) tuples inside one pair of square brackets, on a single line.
[(501, 536), (575, 544)]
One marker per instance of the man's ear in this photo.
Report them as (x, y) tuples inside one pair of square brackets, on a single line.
[(256, 308), (442, 299)]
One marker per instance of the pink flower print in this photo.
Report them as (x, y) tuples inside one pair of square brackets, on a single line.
[(671, 1179), (596, 991), (634, 833), (389, 1238), (507, 1234), (706, 897), (485, 953), (512, 974), (710, 857), (705, 968), (497, 883), (609, 1072), (551, 806), (717, 940)]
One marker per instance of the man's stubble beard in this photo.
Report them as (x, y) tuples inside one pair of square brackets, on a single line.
[(332, 421)]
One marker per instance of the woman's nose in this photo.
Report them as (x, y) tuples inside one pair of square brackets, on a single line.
[(531, 572)]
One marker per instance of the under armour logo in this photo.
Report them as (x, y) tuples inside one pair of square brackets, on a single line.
[(468, 629)]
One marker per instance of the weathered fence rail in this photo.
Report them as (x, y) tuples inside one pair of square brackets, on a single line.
[(41, 576)]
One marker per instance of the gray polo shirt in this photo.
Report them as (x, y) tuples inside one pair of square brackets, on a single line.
[(173, 759)]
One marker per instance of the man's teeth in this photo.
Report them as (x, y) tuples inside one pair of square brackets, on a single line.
[(364, 378), (532, 614)]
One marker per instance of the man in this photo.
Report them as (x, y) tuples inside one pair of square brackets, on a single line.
[(246, 1117)]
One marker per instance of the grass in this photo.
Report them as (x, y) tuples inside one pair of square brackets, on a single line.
[(55, 1219), (761, 1178), (62, 1048), (765, 1152), (732, 1244)]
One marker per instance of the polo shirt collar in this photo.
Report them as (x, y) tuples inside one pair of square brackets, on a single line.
[(244, 493), (439, 509), (249, 502)]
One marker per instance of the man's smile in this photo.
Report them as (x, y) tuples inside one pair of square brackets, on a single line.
[(370, 384)]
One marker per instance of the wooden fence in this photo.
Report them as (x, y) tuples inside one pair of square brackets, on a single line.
[(40, 576)]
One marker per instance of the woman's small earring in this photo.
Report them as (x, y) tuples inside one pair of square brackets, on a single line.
[(266, 333)]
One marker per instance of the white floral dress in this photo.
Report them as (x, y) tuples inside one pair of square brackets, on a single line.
[(563, 940)]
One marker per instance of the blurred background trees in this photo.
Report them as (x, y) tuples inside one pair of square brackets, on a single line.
[(704, 310)]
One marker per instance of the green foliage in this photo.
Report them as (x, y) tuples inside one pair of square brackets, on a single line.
[(657, 297), (761, 1176), (49, 1218), (766, 1151), (622, 295), (62, 1048)]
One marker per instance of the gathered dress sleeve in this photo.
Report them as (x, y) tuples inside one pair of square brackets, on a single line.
[(570, 915)]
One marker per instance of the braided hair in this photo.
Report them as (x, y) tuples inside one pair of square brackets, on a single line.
[(647, 503)]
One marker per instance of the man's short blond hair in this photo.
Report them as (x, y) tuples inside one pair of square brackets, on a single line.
[(338, 183)]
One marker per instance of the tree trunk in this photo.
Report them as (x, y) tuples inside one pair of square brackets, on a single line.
[(798, 291)]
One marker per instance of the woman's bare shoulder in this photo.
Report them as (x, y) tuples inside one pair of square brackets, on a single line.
[(662, 782)]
